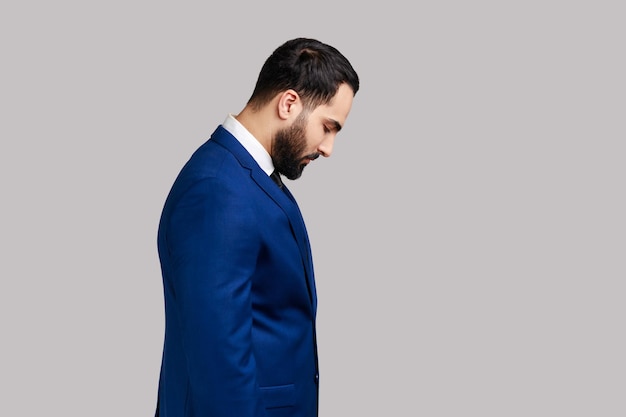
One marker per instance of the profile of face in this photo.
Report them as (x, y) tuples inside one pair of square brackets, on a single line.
[(311, 135)]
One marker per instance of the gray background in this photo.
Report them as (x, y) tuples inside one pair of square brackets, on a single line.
[(468, 232)]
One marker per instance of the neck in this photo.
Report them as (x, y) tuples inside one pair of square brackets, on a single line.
[(259, 124)]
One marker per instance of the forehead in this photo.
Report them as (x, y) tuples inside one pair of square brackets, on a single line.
[(339, 107)]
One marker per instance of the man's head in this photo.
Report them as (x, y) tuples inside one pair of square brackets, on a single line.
[(300, 102)]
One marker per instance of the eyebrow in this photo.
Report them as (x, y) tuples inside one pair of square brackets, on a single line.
[(335, 124)]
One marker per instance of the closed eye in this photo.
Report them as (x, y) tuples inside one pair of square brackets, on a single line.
[(335, 126)]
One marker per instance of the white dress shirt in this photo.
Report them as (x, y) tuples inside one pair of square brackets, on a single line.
[(248, 141)]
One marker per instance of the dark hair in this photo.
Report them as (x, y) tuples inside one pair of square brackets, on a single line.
[(313, 69)]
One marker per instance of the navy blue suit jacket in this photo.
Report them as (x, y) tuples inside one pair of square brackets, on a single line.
[(239, 290)]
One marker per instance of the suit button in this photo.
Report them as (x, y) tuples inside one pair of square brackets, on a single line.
[(317, 378)]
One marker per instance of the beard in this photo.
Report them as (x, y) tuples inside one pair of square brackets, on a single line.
[(288, 148)]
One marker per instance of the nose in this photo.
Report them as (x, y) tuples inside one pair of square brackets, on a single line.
[(325, 148)]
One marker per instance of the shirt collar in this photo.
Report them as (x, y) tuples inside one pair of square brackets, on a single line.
[(250, 143)]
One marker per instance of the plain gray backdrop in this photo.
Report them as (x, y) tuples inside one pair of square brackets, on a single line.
[(468, 232)]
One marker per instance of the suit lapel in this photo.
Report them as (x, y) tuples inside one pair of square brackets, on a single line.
[(288, 204), (305, 250)]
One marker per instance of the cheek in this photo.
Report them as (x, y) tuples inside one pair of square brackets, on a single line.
[(313, 135), (311, 145), (314, 139)]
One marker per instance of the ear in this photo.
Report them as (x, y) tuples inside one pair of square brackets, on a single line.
[(289, 105)]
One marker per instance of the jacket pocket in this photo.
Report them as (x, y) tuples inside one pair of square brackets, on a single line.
[(279, 396)]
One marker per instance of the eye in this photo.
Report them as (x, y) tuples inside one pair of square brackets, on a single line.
[(326, 129)]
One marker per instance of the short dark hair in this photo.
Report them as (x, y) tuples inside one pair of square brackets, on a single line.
[(311, 68)]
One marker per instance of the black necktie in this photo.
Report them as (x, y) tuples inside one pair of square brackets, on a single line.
[(275, 176)]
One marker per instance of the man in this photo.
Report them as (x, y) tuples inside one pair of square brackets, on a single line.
[(240, 298)]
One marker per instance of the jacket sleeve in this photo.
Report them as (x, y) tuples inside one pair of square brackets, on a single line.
[(213, 243)]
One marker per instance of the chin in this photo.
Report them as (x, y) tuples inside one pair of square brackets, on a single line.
[(297, 174)]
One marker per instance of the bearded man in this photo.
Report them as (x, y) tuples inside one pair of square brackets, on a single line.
[(240, 299)]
